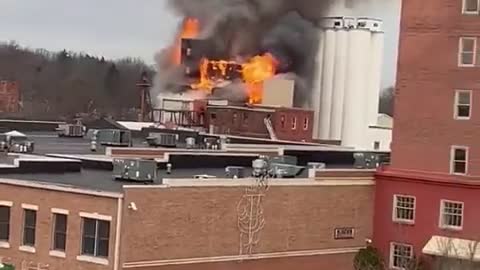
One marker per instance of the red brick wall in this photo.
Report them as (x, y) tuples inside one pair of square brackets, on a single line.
[(427, 77), (199, 222), (231, 121), (9, 97), (287, 132), (427, 214), (46, 200)]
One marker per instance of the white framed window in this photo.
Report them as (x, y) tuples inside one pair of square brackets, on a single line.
[(401, 256), (294, 123), (451, 215), (404, 209), (470, 7), (305, 123), (467, 51), (459, 160), (95, 237), (463, 104)]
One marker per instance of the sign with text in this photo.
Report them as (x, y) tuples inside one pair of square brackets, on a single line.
[(344, 233)]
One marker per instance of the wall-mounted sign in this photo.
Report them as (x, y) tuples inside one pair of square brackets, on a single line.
[(344, 233)]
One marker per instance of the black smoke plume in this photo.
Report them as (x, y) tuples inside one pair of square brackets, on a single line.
[(239, 29)]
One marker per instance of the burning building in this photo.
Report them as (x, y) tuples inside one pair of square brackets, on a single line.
[(234, 51)]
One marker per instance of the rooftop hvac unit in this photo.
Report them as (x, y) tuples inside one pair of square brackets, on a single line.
[(316, 165), (279, 170), (162, 139), (70, 130), (338, 22), (235, 172), (291, 160), (366, 160), (138, 170), (373, 25)]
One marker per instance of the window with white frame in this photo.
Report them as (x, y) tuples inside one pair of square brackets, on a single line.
[(404, 208), (470, 6), (467, 51), (95, 237), (29, 227), (294, 123), (59, 232), (463, 104), (305, 123), (459, 160), (401, 256), (451, 214)]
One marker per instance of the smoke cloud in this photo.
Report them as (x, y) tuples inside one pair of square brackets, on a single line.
[(244, 28)]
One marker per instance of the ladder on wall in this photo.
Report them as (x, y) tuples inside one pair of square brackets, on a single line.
[(271, 131)]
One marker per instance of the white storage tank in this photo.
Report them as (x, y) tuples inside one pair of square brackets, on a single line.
[(355, 125), (374, 87), (327, 83), (317, 88), (339, 80)]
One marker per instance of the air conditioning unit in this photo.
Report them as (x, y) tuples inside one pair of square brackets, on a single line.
[(138, 170), (316, 165), (235, 172), (162, 139), (366, 160)]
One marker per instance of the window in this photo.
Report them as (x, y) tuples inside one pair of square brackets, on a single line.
[(305, 123), (400, 256), (213, 116), (404, 208), (95, 237), (282, 121), (59, 232), (451, 215), (458, 160), (470, 7), (4, 223), (467, 54), (245, 118), (376, 145), (29, 224), (463, 104), (294, 123), (235, 116)]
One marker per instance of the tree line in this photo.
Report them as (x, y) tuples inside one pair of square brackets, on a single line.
[(59, 85)]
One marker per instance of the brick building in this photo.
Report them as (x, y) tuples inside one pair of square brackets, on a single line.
[(9, 96), (289, 124), (183, 224), (426, 199)]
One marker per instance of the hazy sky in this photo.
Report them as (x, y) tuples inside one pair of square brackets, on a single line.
[(136, 28)]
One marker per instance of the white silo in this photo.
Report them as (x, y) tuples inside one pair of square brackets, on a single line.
[(355, 124), (317, 88), (339, 79), (374, 87), (327, 83)]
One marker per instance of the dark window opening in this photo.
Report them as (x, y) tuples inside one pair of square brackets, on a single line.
[(4, 223), (29, 224), (95, 237), (60, 232)]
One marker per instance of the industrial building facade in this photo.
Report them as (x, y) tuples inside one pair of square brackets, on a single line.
[(187, 223), (426, 200)]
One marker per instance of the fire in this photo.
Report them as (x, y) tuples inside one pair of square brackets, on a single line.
[(190, 29), (253, 72)]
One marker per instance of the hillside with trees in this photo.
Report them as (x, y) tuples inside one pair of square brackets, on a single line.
[(58, 85)]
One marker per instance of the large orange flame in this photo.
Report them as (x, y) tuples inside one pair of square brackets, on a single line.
[(254, 72), (190, 29)]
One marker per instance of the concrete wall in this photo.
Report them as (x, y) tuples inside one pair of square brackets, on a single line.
[(381, 135), (46, 198), (194, 224)]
